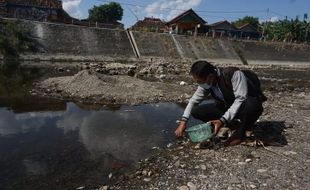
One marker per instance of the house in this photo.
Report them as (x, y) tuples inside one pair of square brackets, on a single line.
[(223, 29), (150, 25), (249, 31), (40, 10), (187, 23)]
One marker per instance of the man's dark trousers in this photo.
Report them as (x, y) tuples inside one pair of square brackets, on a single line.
[(248, 113)]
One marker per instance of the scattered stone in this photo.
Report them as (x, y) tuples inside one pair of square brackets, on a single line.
[(183, 188), (110, 175), (261, 170), (104, 188), (248, 160), (177, 163), (149, 173), (203, 167), (144, 172), (290, 153), (162, 76), (252, 186), (169, 145), (234, 180), (191, 186), (147, 179), (182, 83), (197, 146)]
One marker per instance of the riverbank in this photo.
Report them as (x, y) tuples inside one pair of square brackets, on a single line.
[(183, 166), (147, 82)]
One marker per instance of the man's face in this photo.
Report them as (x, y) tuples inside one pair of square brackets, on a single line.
[(210, 79)]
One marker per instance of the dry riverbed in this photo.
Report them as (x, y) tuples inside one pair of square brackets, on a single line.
[(182, 165)]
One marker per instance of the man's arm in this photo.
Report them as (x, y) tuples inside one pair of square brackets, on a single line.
[(196, 99), (240, 88)]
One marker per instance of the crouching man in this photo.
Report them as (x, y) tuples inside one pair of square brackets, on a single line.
[(237, 95)]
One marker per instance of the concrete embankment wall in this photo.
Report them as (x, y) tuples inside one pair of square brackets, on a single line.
[(77, 40), (70, 40), (276, 51)]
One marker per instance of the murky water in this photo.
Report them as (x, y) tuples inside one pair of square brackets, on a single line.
[(50, 144)]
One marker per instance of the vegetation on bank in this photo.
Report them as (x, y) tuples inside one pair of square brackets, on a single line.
[(287, 30), (106, 13), (14, 39)]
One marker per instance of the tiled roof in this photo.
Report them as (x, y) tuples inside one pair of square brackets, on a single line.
[(190, 11)]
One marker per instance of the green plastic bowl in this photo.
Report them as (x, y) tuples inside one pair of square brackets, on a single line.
[(199, 133)]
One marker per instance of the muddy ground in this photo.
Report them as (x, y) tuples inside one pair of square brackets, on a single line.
[(284, 125)]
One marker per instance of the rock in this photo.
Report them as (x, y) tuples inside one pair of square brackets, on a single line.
[(261, 170), (147, 179), (234, 180), (182, 83), (248, 160), (85, 67), (110, 175), (183, 188), (103, 188), (290, 153), (177, 163), (79, 188), (149, 173), (169, 145), (162, 76), (203, 167), (144, 172), (191, 186), (197, 146), (252, 186)]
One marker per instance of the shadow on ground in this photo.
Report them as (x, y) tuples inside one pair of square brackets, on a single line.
[(271, 133)]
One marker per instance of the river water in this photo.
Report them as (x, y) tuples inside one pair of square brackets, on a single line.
[(50, 144)]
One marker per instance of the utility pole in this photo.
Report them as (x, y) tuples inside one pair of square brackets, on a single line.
[(133, 13)]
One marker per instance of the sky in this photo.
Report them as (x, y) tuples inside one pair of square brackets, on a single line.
[(210, 10)]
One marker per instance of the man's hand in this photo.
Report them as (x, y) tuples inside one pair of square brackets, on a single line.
[(217, 125), (180, 130)]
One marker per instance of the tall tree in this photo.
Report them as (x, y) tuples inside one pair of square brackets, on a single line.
[(110, 12), (246, 20)]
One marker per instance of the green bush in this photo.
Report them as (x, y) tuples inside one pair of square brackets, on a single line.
[(14, 39)]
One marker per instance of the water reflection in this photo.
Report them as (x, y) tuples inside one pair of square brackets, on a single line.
[(77, 147)]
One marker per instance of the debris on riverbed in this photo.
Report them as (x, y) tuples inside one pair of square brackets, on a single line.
[(105, 89)]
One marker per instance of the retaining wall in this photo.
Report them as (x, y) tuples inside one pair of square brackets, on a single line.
[(86, 41)]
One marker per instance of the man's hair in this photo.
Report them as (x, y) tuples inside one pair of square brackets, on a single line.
[(202, 69)]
